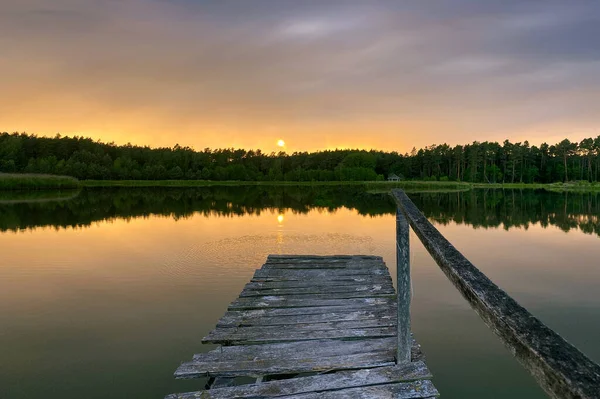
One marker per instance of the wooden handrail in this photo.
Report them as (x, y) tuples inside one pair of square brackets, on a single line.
[(559, 368), (403, 289)]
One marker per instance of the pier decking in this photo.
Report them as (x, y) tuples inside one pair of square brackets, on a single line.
[(325, 327), (311, 327)]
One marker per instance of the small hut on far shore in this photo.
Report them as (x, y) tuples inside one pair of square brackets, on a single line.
[(393, 177)]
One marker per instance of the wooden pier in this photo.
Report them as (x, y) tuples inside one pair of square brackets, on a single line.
[(311, 327), (330, 327)]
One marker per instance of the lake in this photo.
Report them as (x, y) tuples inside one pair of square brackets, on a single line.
[(104, 292)]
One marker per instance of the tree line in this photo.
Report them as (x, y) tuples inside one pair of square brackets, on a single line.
[(483, 162)]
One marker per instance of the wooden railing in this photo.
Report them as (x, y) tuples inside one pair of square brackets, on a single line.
[(559, 368)]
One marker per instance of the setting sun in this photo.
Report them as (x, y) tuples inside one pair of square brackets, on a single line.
[(281, 143)]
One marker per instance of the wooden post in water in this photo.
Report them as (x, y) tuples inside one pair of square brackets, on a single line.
[(403, 287)]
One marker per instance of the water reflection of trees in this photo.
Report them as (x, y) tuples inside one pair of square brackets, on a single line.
[(514, 208), (93, 205), (479, 208)]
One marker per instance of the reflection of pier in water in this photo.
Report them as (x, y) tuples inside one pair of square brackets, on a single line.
[(332, 327)]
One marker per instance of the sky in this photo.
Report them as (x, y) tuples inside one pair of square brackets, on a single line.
[(318, 74)]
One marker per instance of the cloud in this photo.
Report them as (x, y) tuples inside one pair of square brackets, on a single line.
[(223, 73)]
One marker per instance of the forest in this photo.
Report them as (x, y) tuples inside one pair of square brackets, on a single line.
[(478, 162)]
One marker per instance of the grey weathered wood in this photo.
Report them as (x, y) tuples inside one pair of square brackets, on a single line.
[(330, 258), (402, 390), (319, 273), (322, 294), (331, 315), (252, 368), (560, 368), (305, 266), (321, 383), (247, 335), (350, 289), (325, 258), (350, 265), (386, 282), (227, 334), (333, 280), (298, 349), (246, 318), (311, 310), (403, 286), (263, 302), (385, 321), (324, 261)]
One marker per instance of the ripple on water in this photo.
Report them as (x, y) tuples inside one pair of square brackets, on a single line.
[(240, 256)]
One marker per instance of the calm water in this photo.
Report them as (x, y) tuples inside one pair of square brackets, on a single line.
[(104, 292)]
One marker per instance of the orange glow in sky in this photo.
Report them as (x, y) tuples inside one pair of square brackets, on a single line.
[(349, 74)]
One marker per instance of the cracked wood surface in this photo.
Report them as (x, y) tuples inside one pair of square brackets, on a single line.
[(319, 383), (334, 315), (256, 318)]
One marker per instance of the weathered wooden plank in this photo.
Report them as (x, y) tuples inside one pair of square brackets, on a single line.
[(229, 334), (253, 368), (351, 289), (300, 349), (378, 293), (305, 266), (306, 314), (402, 390), (385, 282), (245, 335), (321, 295), (310, 258), (262, 302), (275, 257), (295, 349), (316, 274), (325, 382), (326, 259), (325, 265), (246, 318), (332, 280), (311, 310), (560, 368)]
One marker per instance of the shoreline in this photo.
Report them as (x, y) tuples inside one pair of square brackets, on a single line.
[(34, 182)]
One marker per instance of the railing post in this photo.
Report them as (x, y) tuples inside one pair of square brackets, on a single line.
[(560, 368), (403, 287)]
